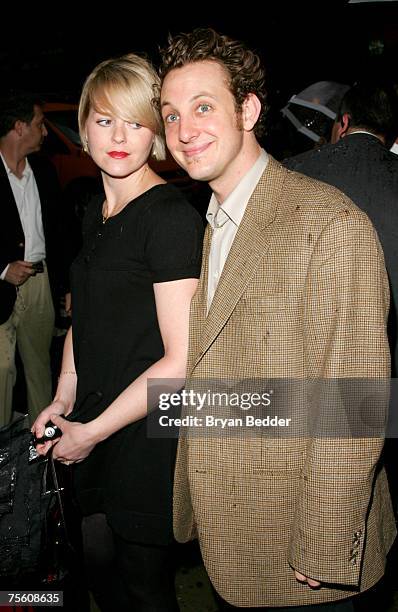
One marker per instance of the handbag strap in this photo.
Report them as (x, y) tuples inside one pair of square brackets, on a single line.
[(57, 490)]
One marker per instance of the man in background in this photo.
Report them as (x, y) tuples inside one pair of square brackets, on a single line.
[(360, 164), (30, 251)]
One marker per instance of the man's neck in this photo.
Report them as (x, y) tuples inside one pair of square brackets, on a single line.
[(15, 160), (356, 130), (223, 185)]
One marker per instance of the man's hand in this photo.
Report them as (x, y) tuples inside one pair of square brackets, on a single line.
[(314, 584), (18, 272)]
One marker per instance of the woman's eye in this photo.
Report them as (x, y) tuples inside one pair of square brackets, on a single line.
[(104, 122), (135, 126)]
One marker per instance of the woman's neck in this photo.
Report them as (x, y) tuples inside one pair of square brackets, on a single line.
[(120, 191)]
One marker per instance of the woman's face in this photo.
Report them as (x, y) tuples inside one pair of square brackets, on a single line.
[(118, 147)]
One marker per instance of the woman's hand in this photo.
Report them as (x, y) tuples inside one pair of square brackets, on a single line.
[(64, 399), (76, 443), (57, 407)]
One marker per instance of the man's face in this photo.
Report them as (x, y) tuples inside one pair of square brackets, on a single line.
[(34, 132), (203, 130)]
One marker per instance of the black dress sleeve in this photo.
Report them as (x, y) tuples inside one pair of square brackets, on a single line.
[(173, 246)]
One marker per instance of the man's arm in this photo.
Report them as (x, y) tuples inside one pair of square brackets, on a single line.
[(17, 272), (345, 309)]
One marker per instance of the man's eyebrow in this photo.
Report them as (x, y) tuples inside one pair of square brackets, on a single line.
[(203, 94)]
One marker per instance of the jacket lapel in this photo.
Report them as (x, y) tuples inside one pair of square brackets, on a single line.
[(9, 211), (249, 247)]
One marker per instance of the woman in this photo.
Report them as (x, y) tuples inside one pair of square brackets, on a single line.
[(132, 284)]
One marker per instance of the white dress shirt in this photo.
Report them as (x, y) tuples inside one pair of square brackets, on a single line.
[(225, 220), (27, 200)]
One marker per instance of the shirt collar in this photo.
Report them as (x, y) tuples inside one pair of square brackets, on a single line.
[(234, 205), (26, 172), (362, 132)]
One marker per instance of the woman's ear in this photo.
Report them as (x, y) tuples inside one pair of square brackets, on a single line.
[(85, 146)]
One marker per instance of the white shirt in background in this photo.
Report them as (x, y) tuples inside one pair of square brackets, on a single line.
[(27, 199)]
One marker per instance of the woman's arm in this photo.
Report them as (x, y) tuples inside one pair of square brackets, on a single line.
[(65, 395), (173, 300), (67, 381)]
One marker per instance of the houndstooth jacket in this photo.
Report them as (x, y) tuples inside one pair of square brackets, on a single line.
[(303, 295)]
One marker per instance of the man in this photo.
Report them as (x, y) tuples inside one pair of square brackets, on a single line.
[(28, 242), (359, 163), (313, 110), (292, 287)]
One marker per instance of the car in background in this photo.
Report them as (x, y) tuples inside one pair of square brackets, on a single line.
[(78, 175)]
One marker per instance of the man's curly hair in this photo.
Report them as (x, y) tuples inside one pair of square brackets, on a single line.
[(243, 67)]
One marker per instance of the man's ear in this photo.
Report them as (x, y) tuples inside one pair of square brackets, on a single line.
[(345, 124), (19, 126), (251, 109), (340, 128)]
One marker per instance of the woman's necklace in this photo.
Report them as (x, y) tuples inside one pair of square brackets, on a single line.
[(117, 209), (105, 216)]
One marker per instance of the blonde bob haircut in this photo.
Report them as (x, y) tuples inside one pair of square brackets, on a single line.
[(123, 87)]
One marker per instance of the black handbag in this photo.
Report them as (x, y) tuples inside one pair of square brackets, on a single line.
[(23, 508), (34, 538), (38, 551)]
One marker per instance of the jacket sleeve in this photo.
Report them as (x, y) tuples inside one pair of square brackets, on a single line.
[(345, 306), (56, 224)]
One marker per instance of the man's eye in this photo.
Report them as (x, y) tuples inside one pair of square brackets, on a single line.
[(172, 118), (204, 108)]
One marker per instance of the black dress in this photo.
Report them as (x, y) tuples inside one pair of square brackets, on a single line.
[(157, 237)]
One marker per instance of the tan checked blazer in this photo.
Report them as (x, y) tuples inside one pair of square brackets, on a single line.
[(304, 295)]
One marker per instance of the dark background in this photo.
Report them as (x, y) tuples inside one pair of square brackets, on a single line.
[(52, 49)]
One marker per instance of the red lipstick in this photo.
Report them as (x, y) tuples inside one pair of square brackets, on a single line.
[(117, 154)]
